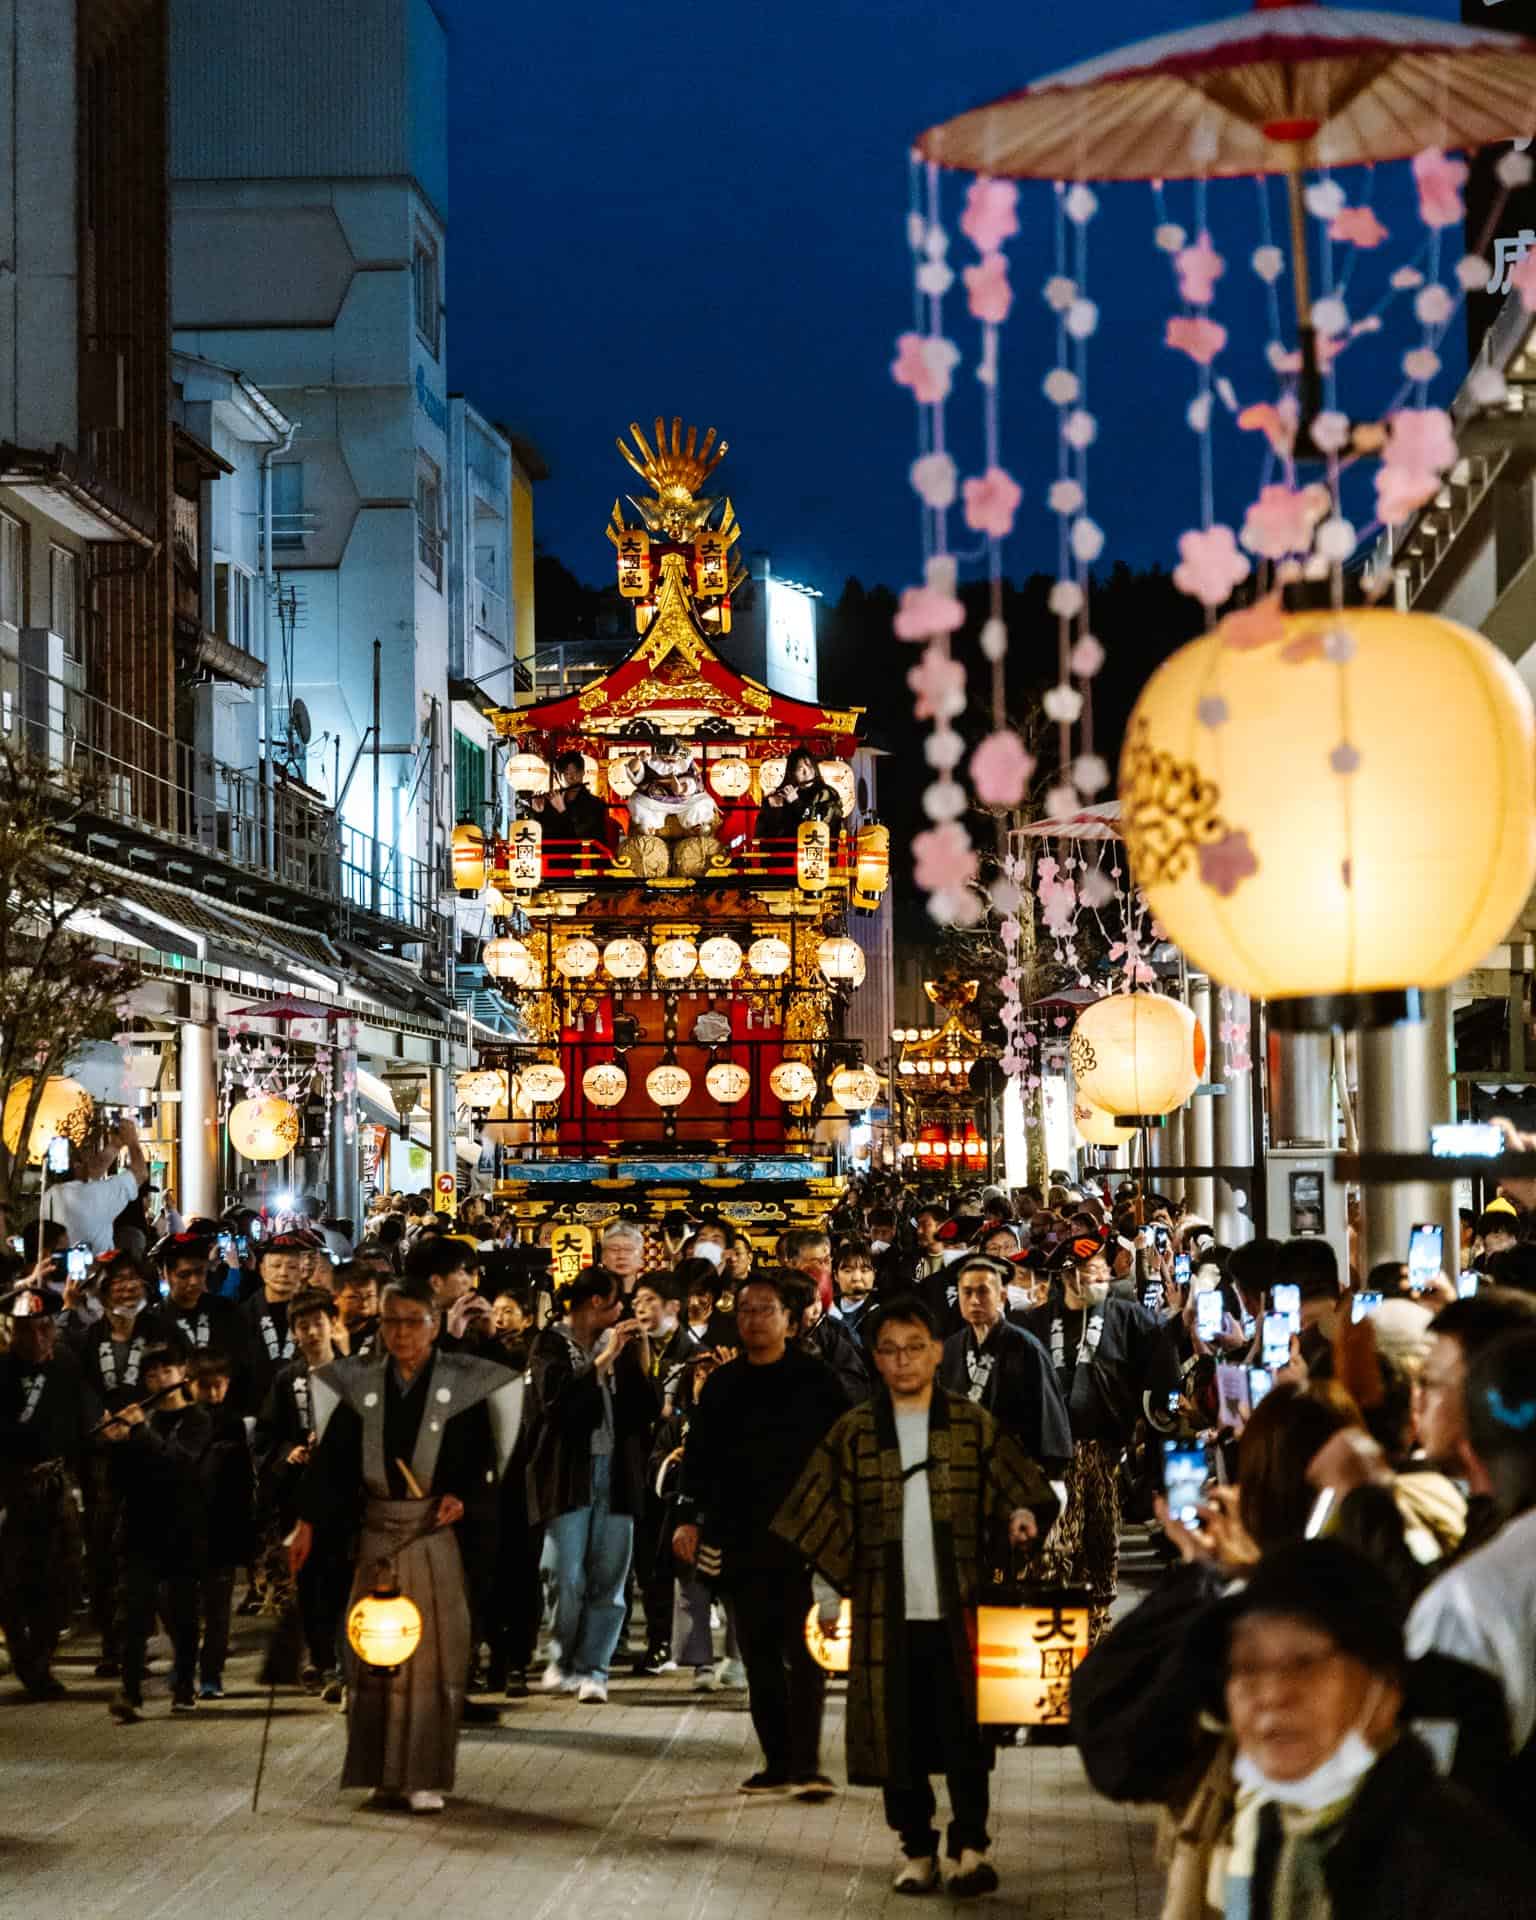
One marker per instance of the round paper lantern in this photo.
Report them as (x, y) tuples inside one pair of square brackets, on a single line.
[(792, 1081), (676, 959), (578, 959), (830, 1650), (727, 1081), (528, 773), (468, 857), (669, 1085), (542, 1081), (854, 1088), (839, 777), (624, 959), (64, 1111), (1346, 807), (720, 958), (839, 958), (606, 1084), (872, 863), (265, 1128), (1096, 1128), (384, 1627), (769, 957), (480, 1090), (620, 782), (508, 959), (773, 772), (731, 777), (1137, 1053)]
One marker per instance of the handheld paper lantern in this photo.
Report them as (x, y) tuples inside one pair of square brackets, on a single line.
[(830, 1651), (1097, 1128), (792, 1081), (720, 958), (769, 957), (606, 1084), (1295, 832), (508, 959), (676, 959), (542, 1081), (578, 959), (266, 1128), (1137, 1055), (528, 773), (872, 864), (384, 1627), (1025, 1659), (669, 1085), (727, 1081), (468, 857), (839, 958), (624, 959), (854, 1088), (730, 778), (63, 1111)]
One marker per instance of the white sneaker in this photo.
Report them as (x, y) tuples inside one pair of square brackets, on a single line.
[(423, 1800), (916, 1876), (592, 1693), (705, 1680), (733, 1675), (552, 1679)]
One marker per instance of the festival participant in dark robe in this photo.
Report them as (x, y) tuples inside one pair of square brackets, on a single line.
[(285, 1265), (801, 795), (411, 1446), (231, 1525), (47, 1413), (1004, 1368), (1106, 1353), (201, 1321), (906, 1506)]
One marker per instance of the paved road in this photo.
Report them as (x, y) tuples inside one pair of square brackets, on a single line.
[(623, 1812)]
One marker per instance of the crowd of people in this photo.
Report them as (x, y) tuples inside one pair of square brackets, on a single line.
[(679, 1456)]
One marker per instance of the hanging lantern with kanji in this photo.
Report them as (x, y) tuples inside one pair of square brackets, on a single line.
[(633, 546), (813, 856), (1137, 1056), (792, 1081), (606, 1084), (728, 1081), (711, 566), (525, 856), (469, 860)]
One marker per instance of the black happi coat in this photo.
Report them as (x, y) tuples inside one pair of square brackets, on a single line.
[(1015, 1382), (1103, 1386)]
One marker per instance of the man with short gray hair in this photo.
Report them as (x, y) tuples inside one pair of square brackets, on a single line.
[(622, 1253)]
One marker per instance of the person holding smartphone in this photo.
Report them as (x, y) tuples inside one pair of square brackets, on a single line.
[(90, 1198)]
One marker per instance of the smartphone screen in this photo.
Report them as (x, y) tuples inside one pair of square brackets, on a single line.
[(1160, 1239), (58, 1154), (1208, 1314), (1425, 1245), (1287, 1300), (1232, 1393), (78, 1263), (1173, 1400), (1184, 1477), (1467, 1283), (1152, 1296), (1276, 1340), (1321, 1508), (1181, 1269), (1260, 1380), (1362, 1306)]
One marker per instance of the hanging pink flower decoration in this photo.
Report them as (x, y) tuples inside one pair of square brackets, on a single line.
[(1440, 180), (1210, 565), (1251, 627), (1201, 339), (991, 214), (939, 684), (935, 480), (1000, 769), (1359, 226), (991, 502), (1199, 268), (1281, 520), (924, 363), (925, 611), (1401, 491), (943, 858), (1226, 863), (1058, 905), (987, 290), (1276, 423), (1423, 438)]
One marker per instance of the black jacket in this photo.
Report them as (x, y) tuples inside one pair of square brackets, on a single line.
[(165, 1474), (63, 1413), (834, 1342), (565, 1408), (1019, 1391)]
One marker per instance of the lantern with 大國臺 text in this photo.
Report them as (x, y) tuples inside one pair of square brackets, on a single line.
[(633, 547), (831, 1651), (384, 1626), (469, 859), (525, 856), (1026, 1656), (813, 856), (570, 1250), (1136, 1056), (1288, 838), (264, 1128)]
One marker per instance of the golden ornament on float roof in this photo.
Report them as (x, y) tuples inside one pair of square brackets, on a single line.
[(606, 1084), (63, 1112), (720, 958), (1136, 1055), (769, 957), (507, 959), (1293, 828), (727, 1081), (264, 1128), (624, 959), (578, 959), (669, 1085), (792, 1081)]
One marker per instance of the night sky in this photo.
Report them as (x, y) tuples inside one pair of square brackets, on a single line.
[(701, 210)]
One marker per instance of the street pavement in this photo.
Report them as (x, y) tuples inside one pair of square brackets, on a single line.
[(623, 1812)]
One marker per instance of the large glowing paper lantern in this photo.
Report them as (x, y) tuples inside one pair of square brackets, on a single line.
[(727, 1081), (542, 1081), (606, 1084), (769, 957), (676, 959), (872, 864), (578, 959), (1137, 1054), (624, 959), (265, 1128), (1025, 1659), (839, 958), (384, 1627), (854, 1088), (1344, 805), (839, 777), (508, 959), (813, 856), (720, 958), (669, 1084), (468, 857), (730, 778), (64, 1111), (528, 773), (1096, 1128), (831, 1651), (792, 1081)]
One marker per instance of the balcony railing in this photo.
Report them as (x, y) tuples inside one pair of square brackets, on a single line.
[(154, 784), (749, 860)]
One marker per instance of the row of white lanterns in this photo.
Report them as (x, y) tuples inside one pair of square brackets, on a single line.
[(669, 1085), (719, 959)]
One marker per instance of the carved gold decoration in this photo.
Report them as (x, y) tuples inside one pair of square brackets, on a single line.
[(1168, 811)]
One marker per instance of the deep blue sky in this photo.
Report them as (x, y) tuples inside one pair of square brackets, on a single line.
[(701, 210)]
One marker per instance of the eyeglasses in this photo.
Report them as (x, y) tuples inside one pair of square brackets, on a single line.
[(901, 1353)]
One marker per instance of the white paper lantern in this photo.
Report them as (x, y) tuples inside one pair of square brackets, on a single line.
[(854, 1088), (542, 1081), (624, 959), (839, 958), (481, 1089), (676, 958), (578, 959), (773, 774), (606, 1084), (669, 1085), (731, 777), (720, 958), (528, 773), (839, 777), (769, 957), (1096, 1128), (508, 959), (1137, 1053), (792, 1081), (727, 1081)]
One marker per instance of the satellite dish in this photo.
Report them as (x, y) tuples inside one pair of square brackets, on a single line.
[(299, 723)]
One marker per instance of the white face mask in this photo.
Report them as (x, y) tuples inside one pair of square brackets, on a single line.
[(878, 1246), (1325, 1786)]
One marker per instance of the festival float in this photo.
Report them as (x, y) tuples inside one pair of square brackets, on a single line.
[(673, 899)]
